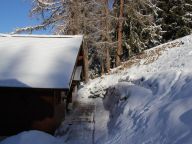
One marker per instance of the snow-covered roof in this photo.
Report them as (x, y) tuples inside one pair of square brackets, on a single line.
[(38, 61)]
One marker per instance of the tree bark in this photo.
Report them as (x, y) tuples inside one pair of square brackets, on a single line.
[(102, 67), (108, 60), (108, 66), (86, 64), (120, 28)]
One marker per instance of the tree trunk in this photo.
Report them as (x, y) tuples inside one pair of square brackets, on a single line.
[(86, 64), (73, 26), (120, 27), (102, 67), (108, 65), (107, 37)]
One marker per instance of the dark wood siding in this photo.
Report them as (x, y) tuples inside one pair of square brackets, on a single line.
[(19, 108)]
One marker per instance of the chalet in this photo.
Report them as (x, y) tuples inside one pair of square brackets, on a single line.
[(39, 75)]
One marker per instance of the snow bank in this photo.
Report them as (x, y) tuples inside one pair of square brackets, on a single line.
[(32, 137), (158, 110), (147, 103)]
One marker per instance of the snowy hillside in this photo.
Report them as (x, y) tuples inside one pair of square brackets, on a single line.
[(148, 101)]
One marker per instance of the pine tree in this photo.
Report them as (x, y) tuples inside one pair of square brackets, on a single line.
[(175, 16), (139, 30)]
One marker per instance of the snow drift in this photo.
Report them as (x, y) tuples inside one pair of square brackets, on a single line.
[(149, 102)]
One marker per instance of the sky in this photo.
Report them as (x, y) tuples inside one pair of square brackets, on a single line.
[(14, 14)]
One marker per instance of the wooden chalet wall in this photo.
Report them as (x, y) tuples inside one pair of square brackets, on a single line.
[(21, 109)]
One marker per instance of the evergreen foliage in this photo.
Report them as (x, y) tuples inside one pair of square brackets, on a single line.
[(175, 17), (140, 31)]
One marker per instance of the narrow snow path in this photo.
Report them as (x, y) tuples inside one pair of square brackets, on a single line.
[(79, 126)]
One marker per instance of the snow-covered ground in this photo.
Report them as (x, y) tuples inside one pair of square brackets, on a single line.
[(32, 137), (147, 102)]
